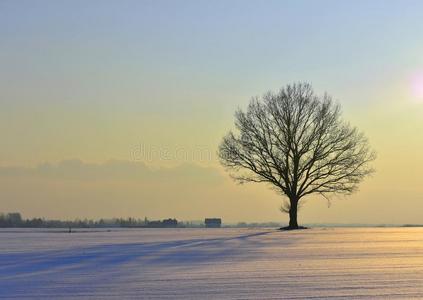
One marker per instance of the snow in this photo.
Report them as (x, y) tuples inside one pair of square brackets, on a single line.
[(319, 263)]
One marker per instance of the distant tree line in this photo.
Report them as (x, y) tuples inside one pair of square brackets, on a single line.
[(9, 220), (15, 220)]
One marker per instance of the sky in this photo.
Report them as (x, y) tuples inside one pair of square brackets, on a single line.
[(116, 108)]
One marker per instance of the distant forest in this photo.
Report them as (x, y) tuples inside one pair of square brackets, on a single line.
[(15, 220)]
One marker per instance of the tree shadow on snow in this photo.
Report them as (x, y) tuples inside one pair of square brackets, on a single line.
[(179, 252)]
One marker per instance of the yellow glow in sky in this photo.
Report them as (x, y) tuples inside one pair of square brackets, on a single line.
[(83, 88)]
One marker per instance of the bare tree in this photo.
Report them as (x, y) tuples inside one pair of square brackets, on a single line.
[(297, 142)]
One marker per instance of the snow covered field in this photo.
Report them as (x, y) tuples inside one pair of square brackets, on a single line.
[(336, 263)]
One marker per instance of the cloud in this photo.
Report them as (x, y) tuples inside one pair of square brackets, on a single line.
[(116, 170), (75, 189)]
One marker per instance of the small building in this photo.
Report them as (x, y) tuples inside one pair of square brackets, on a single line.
[(170, 223), (166, 223), (213, 222)]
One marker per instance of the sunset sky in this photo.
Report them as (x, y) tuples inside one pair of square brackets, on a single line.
[(116, 108)]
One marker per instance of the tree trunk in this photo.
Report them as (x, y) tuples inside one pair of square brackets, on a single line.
[(293, 224)]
